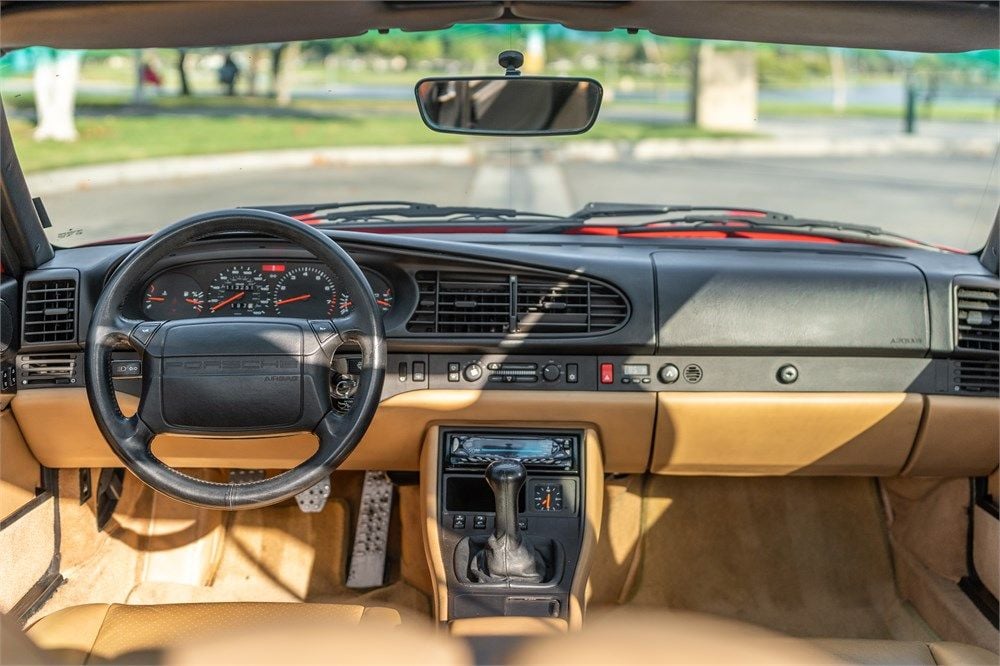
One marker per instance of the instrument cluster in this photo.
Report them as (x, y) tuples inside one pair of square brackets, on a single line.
[(276, 289)]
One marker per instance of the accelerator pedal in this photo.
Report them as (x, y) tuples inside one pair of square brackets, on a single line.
[(371, 536)]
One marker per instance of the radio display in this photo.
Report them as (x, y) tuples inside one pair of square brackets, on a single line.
[(508, 448), (635, 369)]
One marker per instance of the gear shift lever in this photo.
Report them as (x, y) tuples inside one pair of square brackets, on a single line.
[(506, 556), (506, 478)]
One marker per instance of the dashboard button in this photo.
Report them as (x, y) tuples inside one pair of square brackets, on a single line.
[(572, 373), (669, 373), (607, 373), (473, 372), (419, 371), (324, 330), (143, 333)]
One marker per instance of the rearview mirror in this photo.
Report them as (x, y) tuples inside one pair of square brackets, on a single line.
[(509, 105)]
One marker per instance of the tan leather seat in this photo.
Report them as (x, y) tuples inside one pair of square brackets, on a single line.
[(104, 632)]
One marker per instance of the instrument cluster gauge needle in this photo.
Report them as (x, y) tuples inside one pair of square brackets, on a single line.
[(223, 303), (293, 299), (307, 292), (173, 295)]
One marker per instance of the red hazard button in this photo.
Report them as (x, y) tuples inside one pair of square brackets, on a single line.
[(607, 373)]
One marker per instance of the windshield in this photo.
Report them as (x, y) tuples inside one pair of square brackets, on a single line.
[(121, 143)]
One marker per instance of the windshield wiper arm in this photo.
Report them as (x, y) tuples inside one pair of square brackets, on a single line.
[(596, 209), (353, 211)]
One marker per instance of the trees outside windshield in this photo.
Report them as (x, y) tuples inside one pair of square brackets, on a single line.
[(120, 143)]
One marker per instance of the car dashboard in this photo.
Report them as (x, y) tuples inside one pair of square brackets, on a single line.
[(727, 357)]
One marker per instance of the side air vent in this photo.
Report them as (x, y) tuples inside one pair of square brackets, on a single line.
[(47, 369), (49, 311), (977, 318), (976, 377), (490, 304)]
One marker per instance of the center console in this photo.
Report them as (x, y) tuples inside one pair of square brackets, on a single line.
[(509, 512)]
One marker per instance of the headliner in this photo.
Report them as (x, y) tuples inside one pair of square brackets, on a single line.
[(928, 26)]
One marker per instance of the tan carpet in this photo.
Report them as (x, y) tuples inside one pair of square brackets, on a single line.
[(161, 551), (805, 556)]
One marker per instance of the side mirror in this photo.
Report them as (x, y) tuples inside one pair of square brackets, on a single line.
[(509, 105)]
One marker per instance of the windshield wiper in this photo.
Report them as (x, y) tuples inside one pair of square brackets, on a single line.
[(728, 219), (385, 211), (608, 209)]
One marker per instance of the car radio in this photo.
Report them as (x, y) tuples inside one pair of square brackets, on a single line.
[(555, 451)]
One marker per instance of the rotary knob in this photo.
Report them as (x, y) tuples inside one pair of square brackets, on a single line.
[(669, 373), (473, 372), (551, 372)]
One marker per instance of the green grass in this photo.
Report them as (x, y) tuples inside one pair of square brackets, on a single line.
[(119, 138)]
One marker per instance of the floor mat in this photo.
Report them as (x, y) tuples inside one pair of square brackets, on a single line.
[(804, 556), (182, 554)]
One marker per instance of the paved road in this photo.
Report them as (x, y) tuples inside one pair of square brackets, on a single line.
[(950, 200)]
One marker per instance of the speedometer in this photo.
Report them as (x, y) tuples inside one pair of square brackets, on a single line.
[(239, 290), (307, 292)]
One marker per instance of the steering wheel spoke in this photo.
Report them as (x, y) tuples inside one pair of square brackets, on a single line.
[(349, 327)]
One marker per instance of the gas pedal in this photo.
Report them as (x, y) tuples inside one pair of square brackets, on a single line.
[(372, 533)]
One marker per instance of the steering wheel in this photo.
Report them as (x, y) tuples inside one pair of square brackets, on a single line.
[(234, 376)]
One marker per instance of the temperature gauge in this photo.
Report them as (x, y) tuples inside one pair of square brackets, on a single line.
[(548, 497), (173, 296)]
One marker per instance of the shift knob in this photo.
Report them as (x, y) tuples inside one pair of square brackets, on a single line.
[(506, 478)]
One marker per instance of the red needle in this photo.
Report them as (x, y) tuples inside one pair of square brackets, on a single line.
[(294, 299), (384, 304), (193, 301), (155, 298), (227, 301)]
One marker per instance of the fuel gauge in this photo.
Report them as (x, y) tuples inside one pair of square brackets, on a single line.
[(173, 296)]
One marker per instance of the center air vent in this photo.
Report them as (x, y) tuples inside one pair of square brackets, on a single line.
[(490, 304), (453, 302), (49, 311), (546, 305), (47, 369), (977, 319)]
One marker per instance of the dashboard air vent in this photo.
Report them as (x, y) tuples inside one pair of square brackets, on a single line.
[(546, 305), (456, 302), (47, 369), (976, 376), (499, 303), (977, 319), (49, 311)]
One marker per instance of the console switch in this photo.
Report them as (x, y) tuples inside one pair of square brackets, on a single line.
[(607, 373)]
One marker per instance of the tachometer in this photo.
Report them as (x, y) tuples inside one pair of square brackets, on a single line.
[(307, 292), (239, 290), (173, 296)]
